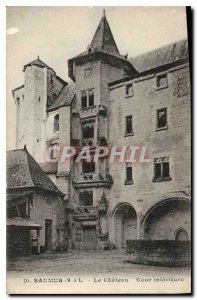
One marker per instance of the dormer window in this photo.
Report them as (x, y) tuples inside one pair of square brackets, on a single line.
[(162, 81), (56, 123), (129, 90)]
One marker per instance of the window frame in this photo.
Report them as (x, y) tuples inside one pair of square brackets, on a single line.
[(86, 74), (161, 163), (128, 182), (54, 150), (127, 85), (159, 76), (56, 123), (81, 196), (157, 119), (90, 172), (89, 92), (129, 133)]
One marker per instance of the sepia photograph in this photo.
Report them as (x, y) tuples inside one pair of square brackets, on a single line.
[(98, 155)]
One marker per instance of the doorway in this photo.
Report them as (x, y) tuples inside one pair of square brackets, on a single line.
[(48, 234), (89, 237)]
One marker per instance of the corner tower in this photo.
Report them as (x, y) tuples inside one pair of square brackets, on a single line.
[(40, 89)]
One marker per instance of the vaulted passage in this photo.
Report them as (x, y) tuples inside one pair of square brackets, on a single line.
[(125, 224), (169, 219)]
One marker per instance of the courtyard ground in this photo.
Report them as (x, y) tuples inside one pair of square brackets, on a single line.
[(89, 263)]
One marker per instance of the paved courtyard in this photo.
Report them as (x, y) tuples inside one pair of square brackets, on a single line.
[(89, 263)]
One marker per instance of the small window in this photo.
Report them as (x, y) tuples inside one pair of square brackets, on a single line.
[(51, 79), (162, 81), (88, 131), (87, 72), (162, 118), (56, 123), (84, 99), (129, 89), (54, 152), (86, 198), (88, 167), (18, 100), (129, 174), (129, 125), (91, 97), (161, 169)]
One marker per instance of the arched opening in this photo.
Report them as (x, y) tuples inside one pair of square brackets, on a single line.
[(181, 235), (166, 217), (125, 224)]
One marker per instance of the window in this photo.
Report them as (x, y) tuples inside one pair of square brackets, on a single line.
[(129, 174), (56, 123), (91, 97), (162, 118), (88, 167), (86, 198), (129, 89), (51, 79), (88, 131), (129, 125), (87, 98), (84, 99), (161, 169), (54, 151), (162, 81), (87, 72), (18, 100)]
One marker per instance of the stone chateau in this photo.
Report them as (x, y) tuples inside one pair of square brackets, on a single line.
[(111, 99)]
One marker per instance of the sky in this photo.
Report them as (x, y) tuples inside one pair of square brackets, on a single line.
[(59, 33)]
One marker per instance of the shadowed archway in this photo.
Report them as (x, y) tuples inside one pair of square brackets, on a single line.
[(125, 224), (165, 217)]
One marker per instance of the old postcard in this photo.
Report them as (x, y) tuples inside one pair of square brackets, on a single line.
[(98, 150)]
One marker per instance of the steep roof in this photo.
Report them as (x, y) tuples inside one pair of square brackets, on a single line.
[(161, 56), (37, 62), (65, 97), (24, 172), (103, 39)]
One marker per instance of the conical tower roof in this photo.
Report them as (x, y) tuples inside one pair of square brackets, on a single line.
[(103, 39)]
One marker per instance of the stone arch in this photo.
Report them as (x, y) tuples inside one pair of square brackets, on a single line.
[(165, 217), (125, 223), (181, 234)]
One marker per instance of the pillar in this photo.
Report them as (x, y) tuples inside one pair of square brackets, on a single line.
[(38, 241)]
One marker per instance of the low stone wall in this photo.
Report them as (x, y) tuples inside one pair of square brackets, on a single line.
[(159, 252)]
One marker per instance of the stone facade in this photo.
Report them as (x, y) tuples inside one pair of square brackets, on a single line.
[(102, 207)]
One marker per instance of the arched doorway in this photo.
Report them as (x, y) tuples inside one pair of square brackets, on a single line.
[(166, 217), (125, 224), (181, 235)]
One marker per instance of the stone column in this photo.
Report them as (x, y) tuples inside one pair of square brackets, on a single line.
[(140, 226), (38, 241)]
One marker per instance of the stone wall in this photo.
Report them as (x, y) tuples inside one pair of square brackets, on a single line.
[(173, 141), (51, 207)]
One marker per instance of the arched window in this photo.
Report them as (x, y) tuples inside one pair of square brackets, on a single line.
[(56, 123), (181, 235)]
